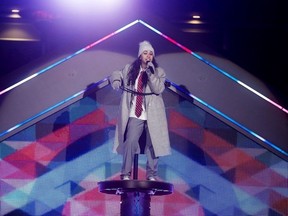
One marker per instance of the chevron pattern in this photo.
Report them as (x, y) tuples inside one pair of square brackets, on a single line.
[(52, 167)]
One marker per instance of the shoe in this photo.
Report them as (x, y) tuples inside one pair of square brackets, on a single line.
[(151, 178), (125, 177)]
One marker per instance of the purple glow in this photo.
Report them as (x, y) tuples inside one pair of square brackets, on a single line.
[(75, 6)]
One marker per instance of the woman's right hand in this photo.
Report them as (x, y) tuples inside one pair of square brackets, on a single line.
[(116, 84)]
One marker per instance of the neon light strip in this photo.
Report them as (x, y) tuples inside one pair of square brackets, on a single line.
[(50, 108), (54, 65), (67, 58), (213, 66), (231, 120)]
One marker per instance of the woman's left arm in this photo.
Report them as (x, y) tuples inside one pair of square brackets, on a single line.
[(156, 80)]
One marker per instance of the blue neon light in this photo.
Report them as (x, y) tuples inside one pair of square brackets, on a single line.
[(50, 108), (231, 120)]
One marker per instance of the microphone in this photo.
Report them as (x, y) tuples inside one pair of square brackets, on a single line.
[(150, 66)]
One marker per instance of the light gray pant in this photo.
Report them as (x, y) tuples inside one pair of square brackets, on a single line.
[(134, 129)]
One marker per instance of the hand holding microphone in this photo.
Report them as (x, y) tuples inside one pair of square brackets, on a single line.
[(150, 67)]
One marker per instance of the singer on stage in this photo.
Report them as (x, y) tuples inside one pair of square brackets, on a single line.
[(141, 110)]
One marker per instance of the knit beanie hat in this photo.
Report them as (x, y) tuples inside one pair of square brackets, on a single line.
[(145, 45)]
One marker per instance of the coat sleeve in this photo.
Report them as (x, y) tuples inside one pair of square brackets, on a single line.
[(156, 81), (118, 75)]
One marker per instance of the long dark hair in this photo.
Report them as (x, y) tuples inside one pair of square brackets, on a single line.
[(134, 71)]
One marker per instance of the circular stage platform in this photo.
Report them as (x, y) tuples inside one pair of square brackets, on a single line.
[(135, 194), (154, 188)]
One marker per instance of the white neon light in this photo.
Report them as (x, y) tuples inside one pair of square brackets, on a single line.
[(215, 67)]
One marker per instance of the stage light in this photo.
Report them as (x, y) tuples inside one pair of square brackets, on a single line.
[(18, 32), (14, 14), (195, 22), (15, 11)]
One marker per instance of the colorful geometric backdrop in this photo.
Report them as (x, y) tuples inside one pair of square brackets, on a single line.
[(53, 167)]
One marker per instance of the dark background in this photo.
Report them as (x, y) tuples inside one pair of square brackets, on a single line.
[(251, 33)]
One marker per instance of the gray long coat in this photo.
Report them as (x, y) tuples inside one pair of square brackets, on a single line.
[(155, 108)]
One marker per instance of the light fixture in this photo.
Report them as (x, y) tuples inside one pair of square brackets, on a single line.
[(18, 32), (195, 22), (14, 14), (15, 10)]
